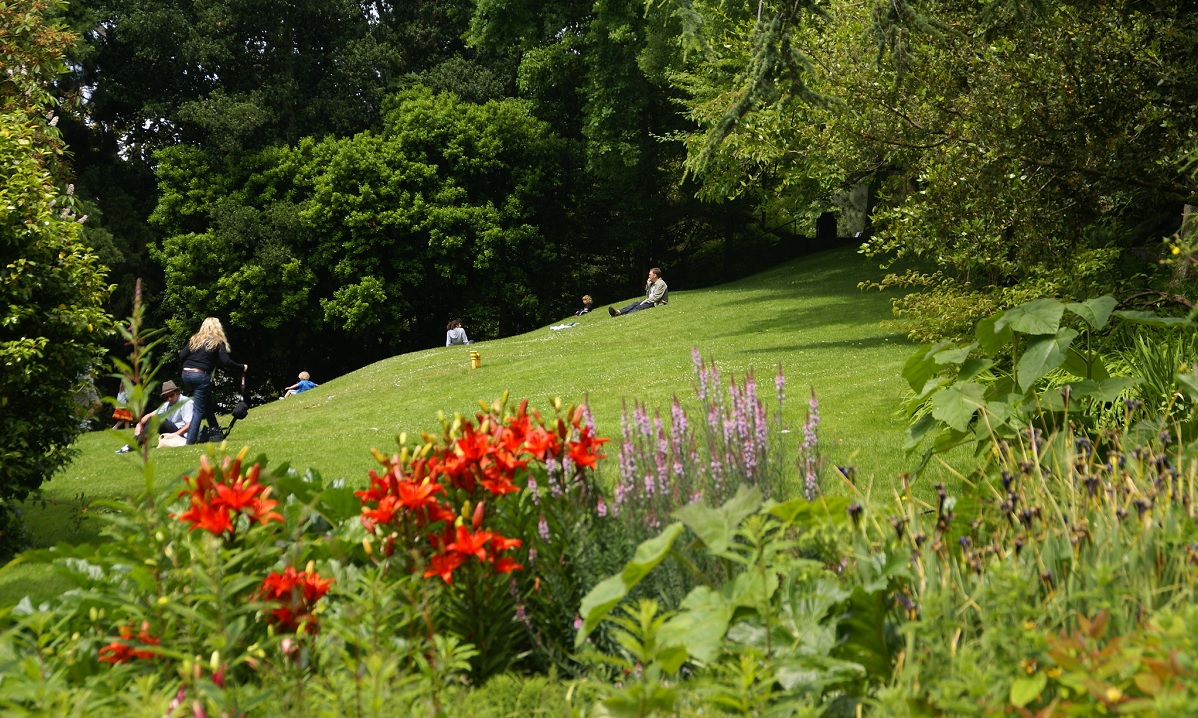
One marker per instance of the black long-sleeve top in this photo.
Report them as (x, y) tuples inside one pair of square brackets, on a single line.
[(207, 359)]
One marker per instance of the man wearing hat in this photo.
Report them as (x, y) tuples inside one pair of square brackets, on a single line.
[(176, 413)]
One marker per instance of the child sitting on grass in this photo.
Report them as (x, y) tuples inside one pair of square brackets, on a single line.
[(303, 384)]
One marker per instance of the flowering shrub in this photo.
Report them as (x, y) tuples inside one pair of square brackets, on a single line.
[(295, 593), (128, 648), (460, 508), (668, 463), (217, 500)]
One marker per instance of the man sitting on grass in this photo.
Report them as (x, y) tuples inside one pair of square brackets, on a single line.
[(656, 294), (176, 410)]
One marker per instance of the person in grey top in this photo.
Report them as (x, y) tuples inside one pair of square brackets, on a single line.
[(656, 295), (454, 334)]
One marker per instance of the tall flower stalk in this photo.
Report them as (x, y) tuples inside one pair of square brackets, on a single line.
[(809, 460), (666, 462)]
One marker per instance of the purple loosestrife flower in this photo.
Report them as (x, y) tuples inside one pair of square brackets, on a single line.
[(810, 448), (762, 427), (601, 509), (642, 419), (696, 497), (560, 470), (740, 412), (662, 455), (701, 373), (532, 490), (627, 462), (780, 384), (648, 484), (717, 470), (729, 433), (543, 529), (714, 424), (759, 419), (750, 459)]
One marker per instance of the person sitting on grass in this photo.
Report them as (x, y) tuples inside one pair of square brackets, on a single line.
[(656, 295), (587, 305), (455, 334), (121, 416), (304, 384), (176, 411)]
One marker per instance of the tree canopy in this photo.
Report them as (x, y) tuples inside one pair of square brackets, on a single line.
[(52, 287), (366, 171), (1015, 150), (376, 240)]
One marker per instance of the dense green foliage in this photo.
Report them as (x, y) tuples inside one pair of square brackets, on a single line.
[(1020, 149), (373, 241), (1012, 151), (52, 287)]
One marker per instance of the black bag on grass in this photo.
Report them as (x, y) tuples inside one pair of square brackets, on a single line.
[(213, 434)]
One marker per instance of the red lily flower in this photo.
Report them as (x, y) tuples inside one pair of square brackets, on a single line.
[(500, 543), (202, 515), (417, 496), (471, 544), (539, 442), (443, 565), (239, 496), (507, 565), (126, 649), (383, 513)]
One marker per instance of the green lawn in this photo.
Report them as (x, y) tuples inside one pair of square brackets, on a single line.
[(807, 315)]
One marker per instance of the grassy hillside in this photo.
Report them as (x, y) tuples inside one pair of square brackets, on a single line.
[(807, 315)]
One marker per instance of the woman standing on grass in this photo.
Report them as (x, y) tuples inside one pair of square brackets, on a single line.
[(200, 356)]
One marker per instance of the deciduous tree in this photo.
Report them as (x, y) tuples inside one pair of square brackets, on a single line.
[(51, 285)]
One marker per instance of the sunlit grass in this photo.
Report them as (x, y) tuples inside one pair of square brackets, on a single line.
[(807, 315)]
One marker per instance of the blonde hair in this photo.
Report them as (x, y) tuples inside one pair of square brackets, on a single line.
[(305, 376), (586, 299), (210, 336)]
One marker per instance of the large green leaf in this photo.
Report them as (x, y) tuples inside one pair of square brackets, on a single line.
[(699, 626), (1189, 382), (919, 367), (1075, 363), (1152, 320), (801, 512), (917, 431), (953, 354), (1039, 316), (716, 527), (1026, 689), (1096, 312), (971, 367), (1043, 356), (1105, 390), (992, 336), (608, 593), (956, 405)]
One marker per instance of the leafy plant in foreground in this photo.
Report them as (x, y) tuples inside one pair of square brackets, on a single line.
[(998, 386), (1066, 529), (783, 634)]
